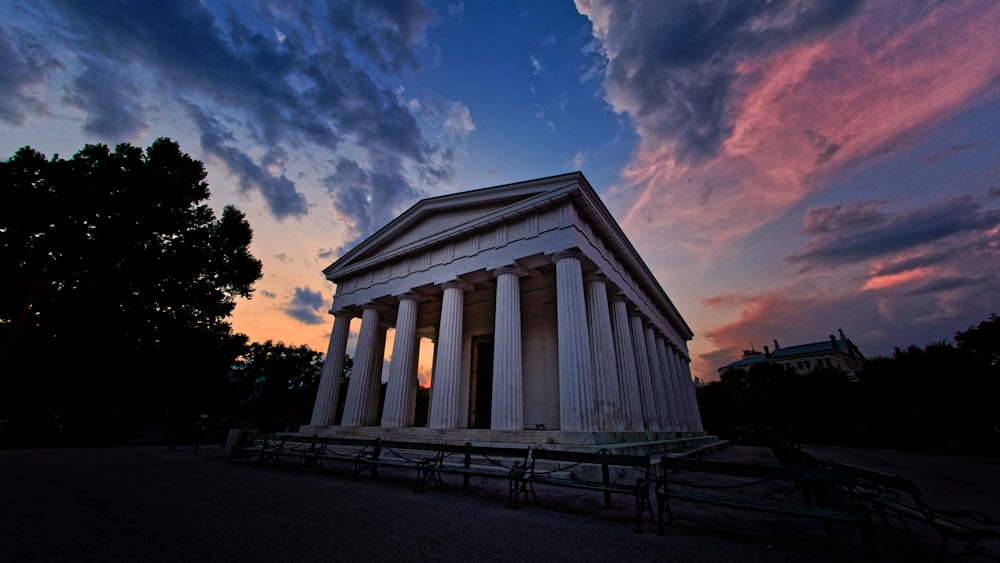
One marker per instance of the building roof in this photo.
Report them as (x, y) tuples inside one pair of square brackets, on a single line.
[(436, 220), (787, 353)]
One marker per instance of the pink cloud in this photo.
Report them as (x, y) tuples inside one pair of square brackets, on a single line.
[(804, 113)]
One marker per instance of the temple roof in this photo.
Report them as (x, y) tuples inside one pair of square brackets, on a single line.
[(437, 220)]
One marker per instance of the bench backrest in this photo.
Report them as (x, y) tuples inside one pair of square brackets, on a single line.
[(807, 475), (596, 458), (493, 453), (879, 480)]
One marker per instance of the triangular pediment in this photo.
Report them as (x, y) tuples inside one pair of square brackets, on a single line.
[(434, 218)]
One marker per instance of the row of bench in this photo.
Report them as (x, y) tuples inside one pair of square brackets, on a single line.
[(522, 466), (897, 497), (675, 478)]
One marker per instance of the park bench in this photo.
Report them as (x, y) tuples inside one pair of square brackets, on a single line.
[(576, 470), (741, 486), (899, 497), (483, 460), (424, 457), (431, 460), (253, 445), (271, 448), (324, 449)]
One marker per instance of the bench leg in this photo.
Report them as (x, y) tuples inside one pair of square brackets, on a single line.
[(363, 464), (519, 487), (642, 504), (663, 504), (425, 474)]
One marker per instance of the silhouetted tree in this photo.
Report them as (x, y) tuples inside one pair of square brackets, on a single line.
[(118, 282), (940, 397), (277, 385)]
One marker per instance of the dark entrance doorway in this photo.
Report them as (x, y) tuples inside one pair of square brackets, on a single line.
[(481, 386)]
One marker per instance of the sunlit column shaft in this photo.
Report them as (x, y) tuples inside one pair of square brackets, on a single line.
[(645, 373), (325, 407), (358, 393), (507, 410), (605, 369), (447, 370), (575, 395), (628, 375), (399, 390)]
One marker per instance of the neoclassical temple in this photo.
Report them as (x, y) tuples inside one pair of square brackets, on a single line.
[(542, 315)]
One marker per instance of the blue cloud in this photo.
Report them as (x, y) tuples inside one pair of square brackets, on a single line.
[(324, 83), (306, 306), (873, 233)]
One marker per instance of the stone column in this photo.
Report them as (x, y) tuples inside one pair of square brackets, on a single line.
[(676, 386), (628, 375), (325, 407), (575, 395), (695, 410), (507, 410), (399, 391), (448, 368), (685, 386), (645, 373), (358, 393), (602, 349), (411, 408), (669, 385), (656, 374), (371, 412)]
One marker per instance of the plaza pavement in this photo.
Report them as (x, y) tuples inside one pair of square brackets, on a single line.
[(151, 503)]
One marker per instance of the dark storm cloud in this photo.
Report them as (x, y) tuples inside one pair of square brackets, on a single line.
[(846, 217), (282, 198), (839, 239), (371, 197), (936, 285), (387, 33), (318, 84), (932, 158), (672, 65), (112, 112), (26, 64), (306, 306)]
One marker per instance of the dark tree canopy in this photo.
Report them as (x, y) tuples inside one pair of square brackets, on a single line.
[(276, 385), (118, 284), (939, 397)]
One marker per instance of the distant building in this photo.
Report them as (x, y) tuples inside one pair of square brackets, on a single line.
[(838, 353)]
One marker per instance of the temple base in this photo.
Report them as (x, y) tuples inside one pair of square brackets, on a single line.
[(633, 443)]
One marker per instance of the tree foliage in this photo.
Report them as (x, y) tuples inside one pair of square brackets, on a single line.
[(939, 397), (118, 284), (276, 385)]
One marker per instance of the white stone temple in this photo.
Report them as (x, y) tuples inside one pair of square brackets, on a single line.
[(544, 320)]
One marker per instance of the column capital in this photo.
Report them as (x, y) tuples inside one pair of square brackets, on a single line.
[(618, 296), (596, 277), (410, 296), (456, 284), (568, 253), (512, 269)]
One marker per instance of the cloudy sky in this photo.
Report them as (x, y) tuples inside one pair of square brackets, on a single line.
[(785, 168)]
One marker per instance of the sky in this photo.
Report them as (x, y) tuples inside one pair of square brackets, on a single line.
[(787, 169)]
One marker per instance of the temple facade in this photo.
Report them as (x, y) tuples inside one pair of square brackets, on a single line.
[(542, 315)]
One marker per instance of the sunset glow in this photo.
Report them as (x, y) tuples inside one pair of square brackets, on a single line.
[(785, 169)]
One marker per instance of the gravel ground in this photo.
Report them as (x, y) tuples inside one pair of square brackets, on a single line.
[(156, 504)]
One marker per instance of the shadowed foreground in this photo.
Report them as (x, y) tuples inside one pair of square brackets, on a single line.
[(154, 504)]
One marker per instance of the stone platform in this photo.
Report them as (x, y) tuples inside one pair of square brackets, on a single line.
[(631, 443)]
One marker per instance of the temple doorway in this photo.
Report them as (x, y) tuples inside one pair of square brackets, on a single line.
[(481, 387)]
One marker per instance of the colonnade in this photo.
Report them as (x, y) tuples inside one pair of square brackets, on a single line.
[(617, 372)]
